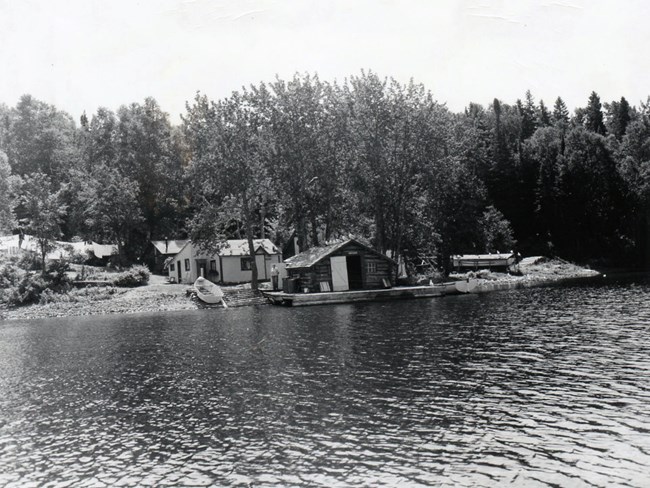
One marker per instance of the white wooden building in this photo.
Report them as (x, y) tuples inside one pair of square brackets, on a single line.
[(231, 264)]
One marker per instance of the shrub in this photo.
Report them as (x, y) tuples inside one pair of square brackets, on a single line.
[(57, 276), (19, 287), (137, 275), (49, 296), (90, 273), (10, 273), (29, 261), (29, 289), (79, 257)]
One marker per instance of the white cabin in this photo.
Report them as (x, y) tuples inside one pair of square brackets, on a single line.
[(229, 265)]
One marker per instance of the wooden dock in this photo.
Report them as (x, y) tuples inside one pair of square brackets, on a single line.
[(352, 296)]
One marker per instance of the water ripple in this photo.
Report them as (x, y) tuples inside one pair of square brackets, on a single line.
[(540, 387)]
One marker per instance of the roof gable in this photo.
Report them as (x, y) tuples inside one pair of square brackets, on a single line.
[(239, 247), (236, 247), (310, 257), (169, 246)]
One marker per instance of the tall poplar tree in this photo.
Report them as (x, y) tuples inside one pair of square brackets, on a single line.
[(230, 148)]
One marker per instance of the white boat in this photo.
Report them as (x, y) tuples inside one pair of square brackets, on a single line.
[(466, 286), (208, 292)]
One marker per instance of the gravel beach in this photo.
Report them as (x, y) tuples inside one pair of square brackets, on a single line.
[(159, 296)]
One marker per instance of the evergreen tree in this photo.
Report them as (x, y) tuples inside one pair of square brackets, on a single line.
[(593, 120), (501, 150), (543, 116), (529, 119), (560, 116), (618, 117)]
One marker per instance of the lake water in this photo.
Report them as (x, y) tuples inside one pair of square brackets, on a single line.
[(539, 387)]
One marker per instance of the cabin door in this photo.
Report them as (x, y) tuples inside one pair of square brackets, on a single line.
[(201, 268), (355, 273), (339, 273), (178, 267)]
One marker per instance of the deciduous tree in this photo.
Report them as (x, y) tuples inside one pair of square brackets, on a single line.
[(231, 147), (41, 211), (41, 139), (7, 217), (111, 206)]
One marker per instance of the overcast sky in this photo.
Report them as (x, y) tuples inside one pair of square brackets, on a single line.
[(82, 54)]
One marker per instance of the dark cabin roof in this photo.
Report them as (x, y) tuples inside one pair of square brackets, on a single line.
[(310, 257)]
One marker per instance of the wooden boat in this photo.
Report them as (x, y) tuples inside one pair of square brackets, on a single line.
[(208, 292)]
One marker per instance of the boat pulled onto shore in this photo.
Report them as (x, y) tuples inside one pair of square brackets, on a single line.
[(208, 292)]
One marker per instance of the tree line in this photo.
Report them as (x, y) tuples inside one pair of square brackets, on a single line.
[(315, 160)]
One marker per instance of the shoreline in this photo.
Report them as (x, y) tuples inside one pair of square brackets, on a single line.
[(159, 296), (535, 271), (110, 301)]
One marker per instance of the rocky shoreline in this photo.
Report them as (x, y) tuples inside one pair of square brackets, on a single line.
[(162, 297), (533, 271), (102, 301)]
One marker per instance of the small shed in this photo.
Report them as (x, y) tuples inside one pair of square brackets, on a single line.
[(474, 262), (347, 265)]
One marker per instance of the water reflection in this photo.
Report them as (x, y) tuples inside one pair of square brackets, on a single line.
[(533, 387)]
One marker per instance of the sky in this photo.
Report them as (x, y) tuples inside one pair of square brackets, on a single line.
[(83, 54)]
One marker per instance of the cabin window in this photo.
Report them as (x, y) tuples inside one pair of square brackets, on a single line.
[(213, 265), (187, 265), (172, 267), (246, 264), (371, 267)]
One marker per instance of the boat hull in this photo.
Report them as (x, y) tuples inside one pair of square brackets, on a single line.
[(208, 292)]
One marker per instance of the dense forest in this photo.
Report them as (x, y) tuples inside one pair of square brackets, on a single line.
[(369, 157)]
